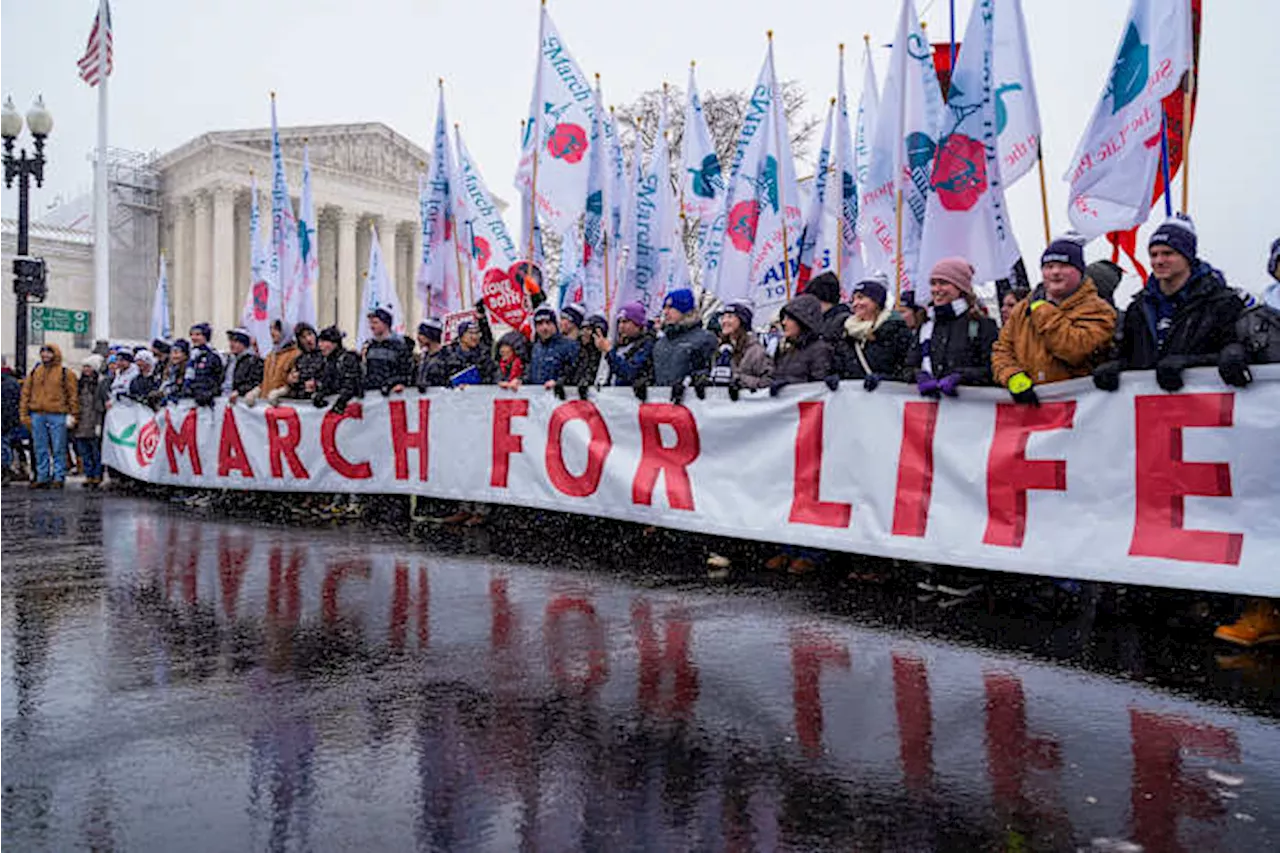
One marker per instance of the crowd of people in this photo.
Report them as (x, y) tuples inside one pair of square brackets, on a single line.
[(1185, 315)]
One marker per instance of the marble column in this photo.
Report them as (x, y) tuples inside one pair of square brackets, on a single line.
[(347, 281), (183, 264), (415, 262), (224, 314), (327, 291), (202, 280), (242, 265)]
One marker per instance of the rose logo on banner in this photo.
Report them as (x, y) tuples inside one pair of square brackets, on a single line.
[(960, 162), (744, 219), (261, 296), (481, 252), (148, 443), (567, 142)]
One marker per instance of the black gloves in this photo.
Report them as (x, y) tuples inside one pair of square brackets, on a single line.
[(340, 406), (1106, 376), (677, 393), (700, 382), (735, 390), (1169, 372), (777, 386), (584, 391), (386, 390), (832, 382), (872, 382), (1233, 366), (558, 389), (1026, 398), (318, 400), (641, 389)]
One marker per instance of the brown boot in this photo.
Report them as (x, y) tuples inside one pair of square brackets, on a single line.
[(1259, 624)]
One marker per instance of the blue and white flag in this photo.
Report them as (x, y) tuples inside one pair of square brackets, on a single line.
[(763, 223), (853, 155), (379, 292), (161, 325), (628, 289), (815, 255), (1014, 90), (286, 259), (1115, 164), (558, 132), (492, 245), (701, 184), (910, 121), (966, 214), (307, 246), (597, 222), (437, 284), (259, 308)]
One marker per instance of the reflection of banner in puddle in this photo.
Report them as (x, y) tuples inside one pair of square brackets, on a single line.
[(1138, 486), (871, 708)]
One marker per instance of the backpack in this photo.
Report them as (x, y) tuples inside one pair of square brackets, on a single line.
[(1259, 330)]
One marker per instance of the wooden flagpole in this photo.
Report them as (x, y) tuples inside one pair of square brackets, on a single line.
[(535, 137), (1044, 193), (1187, 97)]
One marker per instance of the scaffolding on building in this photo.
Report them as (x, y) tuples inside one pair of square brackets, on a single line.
[(133, 214)]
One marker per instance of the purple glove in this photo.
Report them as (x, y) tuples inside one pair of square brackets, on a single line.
[(927, 385), (949, 383)]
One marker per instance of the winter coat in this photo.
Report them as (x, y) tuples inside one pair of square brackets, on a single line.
[(50, 389), (1054, 342), (632, 361), (552, 360), (459, 359), (203, 379), (276, 367), (12, 403), (143, 388), (1203, 321), (957, 344), (884, 347), (93, 405), (684, 350), (309, 366), (171, 382), (340, 375), (587, 368), (807, 358), (833, 320), (388, 362), (433, 369), (510, 368), (752, 367), (247, 373)]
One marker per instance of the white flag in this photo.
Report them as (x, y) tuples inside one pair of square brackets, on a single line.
[(966, 214), (286, 260), (379, 292), (492, 246), (853, 154), (558, 131), (572, 269), (439, 289), (813, 255), (598, 220), (1014, 90), (308, 249), (628, 291), (161, 326), (701, 184), (764, 222), (262, 302), (910, 120), (1114, 167)]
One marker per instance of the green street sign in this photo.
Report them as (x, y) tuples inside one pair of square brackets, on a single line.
[(47, 319)]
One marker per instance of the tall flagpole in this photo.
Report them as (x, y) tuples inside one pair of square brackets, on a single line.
[(101, 229), (1188, 96), (1044, 193), (897, 171), (842, 109), (535, 135), (777, 141)]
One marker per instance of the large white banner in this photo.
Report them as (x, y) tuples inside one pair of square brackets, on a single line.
[(1139, 486)]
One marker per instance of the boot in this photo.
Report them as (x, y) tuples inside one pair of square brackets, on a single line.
[(1259, 624)]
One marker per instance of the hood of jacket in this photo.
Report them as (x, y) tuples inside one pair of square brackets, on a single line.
[(57, 355), (806, 310), (687, 324)]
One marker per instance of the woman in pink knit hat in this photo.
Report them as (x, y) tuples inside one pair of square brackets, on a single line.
[(953, 346)]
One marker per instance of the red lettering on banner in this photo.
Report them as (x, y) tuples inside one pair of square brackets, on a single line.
[(586, 483), (282, 448), (1011, 749), (504, 442), (1161, 792), (1010, 474), (915, 720), (597, 661), (329, 444), (403, 440), (231, 570), (659, 659), (182, 441), (807, 505), (284, 595), (810, 651), (231, 455), (1164, 481), (400, 608), (333, 580), (915, 469), (672, 462)]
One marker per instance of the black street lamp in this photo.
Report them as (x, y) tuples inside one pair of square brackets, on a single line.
[(28, 272)]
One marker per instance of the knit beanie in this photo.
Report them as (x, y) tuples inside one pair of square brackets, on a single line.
[(1273, 265), (955, 271), (681, 300), (826, 287), (742, 310), (204, 329), (94, 361), (632, 311), (431, 329), (574, 313), (241, 335), (332, 334), (544, 312), (1179, 234), (1064, 251), (875, 288), (382, 314), (161, 345)]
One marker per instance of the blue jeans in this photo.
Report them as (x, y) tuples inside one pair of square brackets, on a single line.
[(90, 452), (49, 440)]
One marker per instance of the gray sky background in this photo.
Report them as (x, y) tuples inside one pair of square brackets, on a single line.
[(184, 68)]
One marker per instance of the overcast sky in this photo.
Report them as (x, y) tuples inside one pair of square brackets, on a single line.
[(185, 68)]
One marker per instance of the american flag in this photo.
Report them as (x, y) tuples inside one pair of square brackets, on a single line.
[(99, 40)]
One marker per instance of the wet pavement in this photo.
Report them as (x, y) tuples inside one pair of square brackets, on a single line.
[(173, 680)]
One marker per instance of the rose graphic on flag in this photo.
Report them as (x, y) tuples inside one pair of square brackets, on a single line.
[(567, 142)]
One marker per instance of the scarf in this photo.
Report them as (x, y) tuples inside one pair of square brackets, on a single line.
[(120, 385), (860, 330), (953, 309)]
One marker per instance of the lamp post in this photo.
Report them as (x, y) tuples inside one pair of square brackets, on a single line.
[(28, 273)]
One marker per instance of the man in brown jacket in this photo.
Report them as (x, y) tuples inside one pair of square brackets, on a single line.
[(50, 404), (1062, 330), (276, 365)]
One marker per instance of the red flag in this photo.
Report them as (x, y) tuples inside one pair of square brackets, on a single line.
[(1127, 241)]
